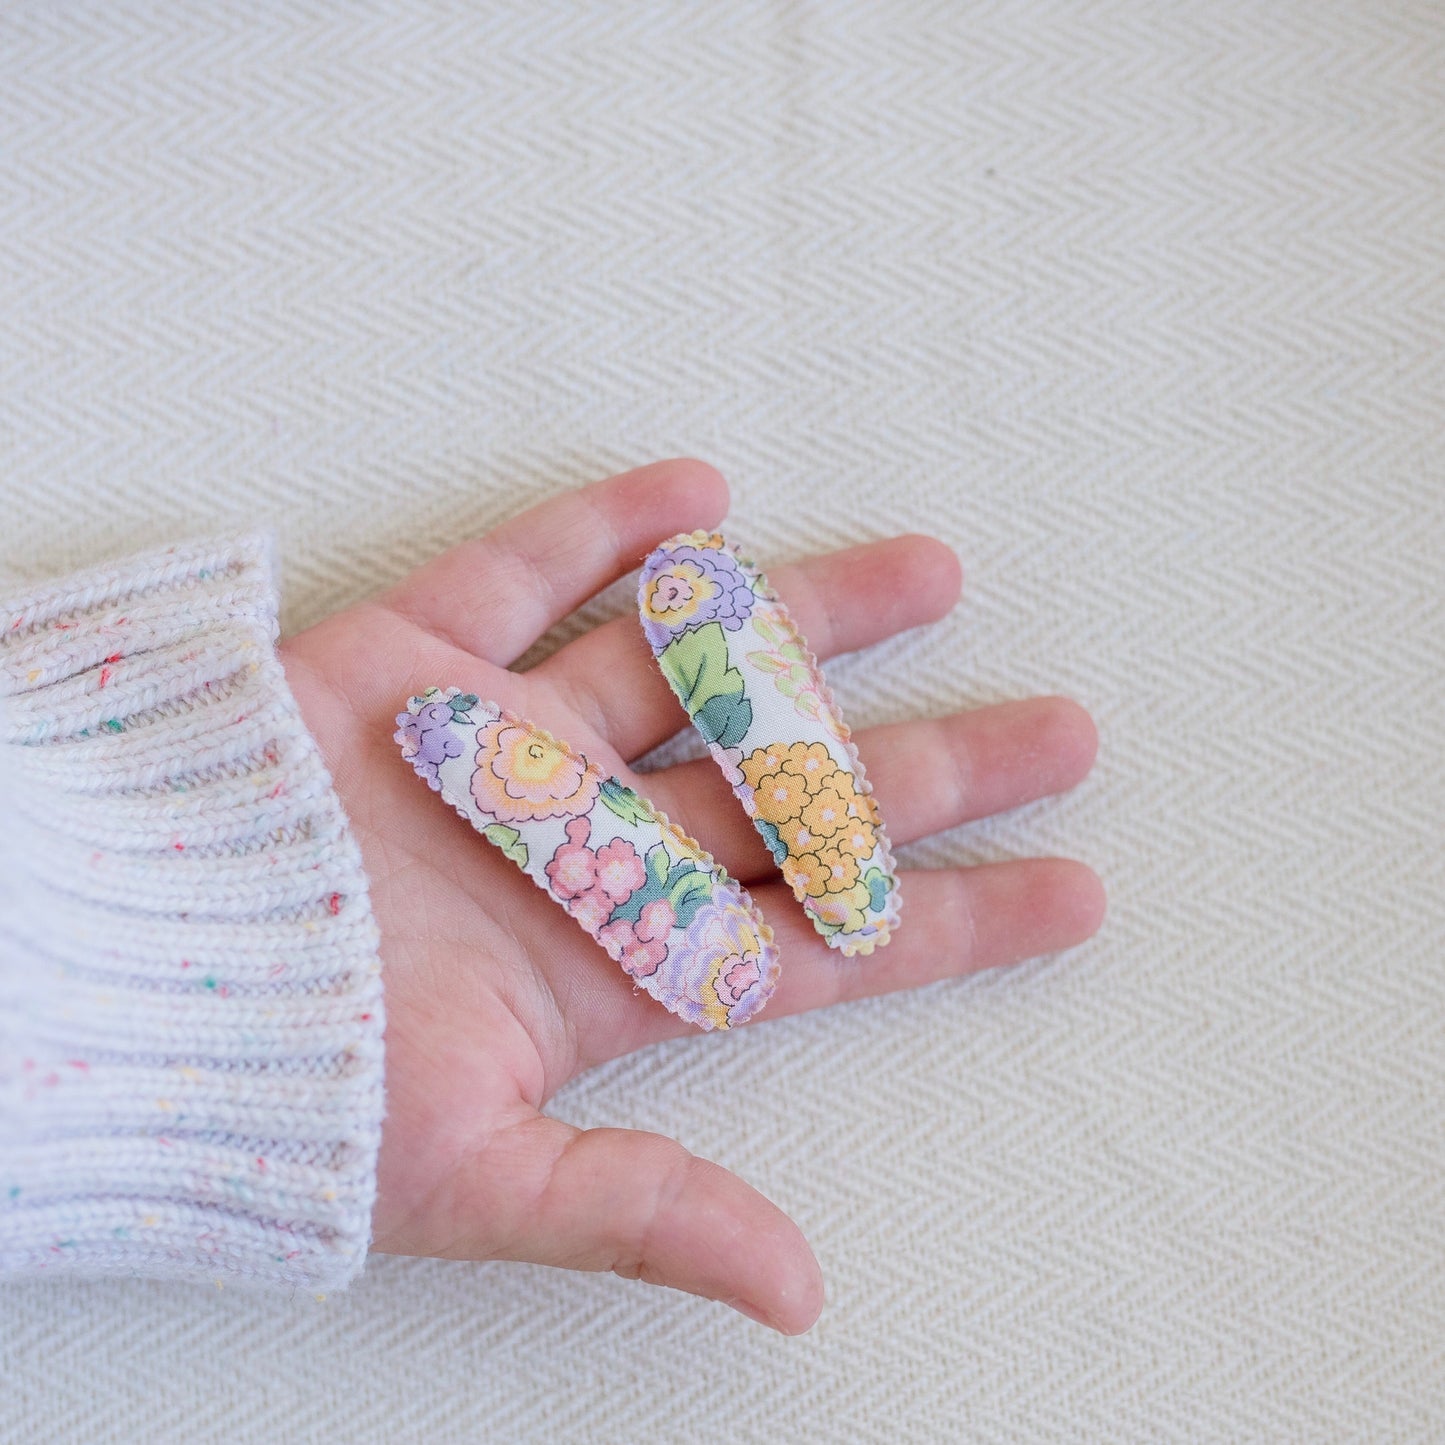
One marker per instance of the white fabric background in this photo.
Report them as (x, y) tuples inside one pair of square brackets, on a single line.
[(1139, 304)]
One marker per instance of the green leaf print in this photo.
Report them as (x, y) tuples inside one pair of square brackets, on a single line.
[(696, 664), (725, 719), (689, 891), (660, 870), (509, 840), (773, 839), (625, 803), (878, 885), (764, 628)]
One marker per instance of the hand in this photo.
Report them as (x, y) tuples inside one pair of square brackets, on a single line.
[(495, 997)]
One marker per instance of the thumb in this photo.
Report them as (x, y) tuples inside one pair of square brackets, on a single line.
[(644, 1207)]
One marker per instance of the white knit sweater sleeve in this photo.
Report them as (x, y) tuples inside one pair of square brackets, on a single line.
[(190, 993)]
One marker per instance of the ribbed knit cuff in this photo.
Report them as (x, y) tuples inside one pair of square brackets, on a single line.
[(190, 994)]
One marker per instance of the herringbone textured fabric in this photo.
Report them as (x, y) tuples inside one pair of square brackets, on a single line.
[(1140, 305)]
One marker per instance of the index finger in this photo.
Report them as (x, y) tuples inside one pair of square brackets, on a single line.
[(494, 596)]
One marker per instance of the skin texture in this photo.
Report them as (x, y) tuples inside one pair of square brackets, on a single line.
[(495, 997)]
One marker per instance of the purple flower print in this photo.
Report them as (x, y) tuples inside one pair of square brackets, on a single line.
[(683, 587), (428, 740), (734, 970)]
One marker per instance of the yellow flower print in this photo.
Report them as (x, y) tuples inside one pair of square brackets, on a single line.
[(829, 870), (757, 765), (839, 779), (811, 760), (522, 773), (779, 797), (845, 910), (856, 837), (826, 812), (675, 595), (826, 830)]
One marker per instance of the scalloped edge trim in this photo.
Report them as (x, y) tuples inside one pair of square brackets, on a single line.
[(893, 907), (772, 962)]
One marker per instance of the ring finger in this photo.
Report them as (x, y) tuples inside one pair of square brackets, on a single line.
[(927, 775)]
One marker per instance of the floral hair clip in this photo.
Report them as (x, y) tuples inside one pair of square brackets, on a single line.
[(738, 664), (659, 904)]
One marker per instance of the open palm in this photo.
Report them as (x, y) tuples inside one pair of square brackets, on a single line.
[(495, 997)]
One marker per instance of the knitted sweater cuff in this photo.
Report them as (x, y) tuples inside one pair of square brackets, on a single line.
[(190, 994)]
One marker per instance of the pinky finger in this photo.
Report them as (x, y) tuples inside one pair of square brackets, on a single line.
[(644, 1207)]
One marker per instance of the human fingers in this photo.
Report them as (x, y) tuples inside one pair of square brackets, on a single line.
[(643, 1206), (956, 921), (927, 775), (840, 601), (493, 596)]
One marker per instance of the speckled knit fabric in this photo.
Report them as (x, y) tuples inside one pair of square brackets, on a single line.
[(190, 994)]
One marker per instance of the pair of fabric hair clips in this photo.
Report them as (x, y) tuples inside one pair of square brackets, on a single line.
[(658, 903)]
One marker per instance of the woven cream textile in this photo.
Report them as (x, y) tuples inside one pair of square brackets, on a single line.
[(1141, 306)]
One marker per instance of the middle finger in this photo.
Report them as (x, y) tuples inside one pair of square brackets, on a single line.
[(840, 601)]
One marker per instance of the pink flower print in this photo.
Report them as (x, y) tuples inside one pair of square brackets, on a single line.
[(640, 947), (573, 869), (730, 761), (644, 959), (615, 937), (671, 592), (619, 870), (591, 909), (591, 884), (736, 976), (655, 921)]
